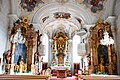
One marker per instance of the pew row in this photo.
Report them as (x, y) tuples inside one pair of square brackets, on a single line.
[(24, 77)]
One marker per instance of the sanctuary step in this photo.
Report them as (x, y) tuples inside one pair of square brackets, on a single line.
[(67, 78)]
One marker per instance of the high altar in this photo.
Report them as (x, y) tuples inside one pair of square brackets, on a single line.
[(60, 61), (60, 48)]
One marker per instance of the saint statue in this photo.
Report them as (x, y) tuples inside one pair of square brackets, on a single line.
[(7, 56), (22, 66), (19, 40), (101, 65)]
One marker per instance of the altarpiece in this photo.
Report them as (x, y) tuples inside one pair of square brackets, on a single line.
[(23, 54), (102, 57)]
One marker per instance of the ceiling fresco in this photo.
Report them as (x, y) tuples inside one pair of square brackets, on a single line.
[(29, 5), (69, 14), (94, 5)]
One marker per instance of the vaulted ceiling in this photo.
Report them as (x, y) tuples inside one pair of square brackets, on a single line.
[(69, 15)]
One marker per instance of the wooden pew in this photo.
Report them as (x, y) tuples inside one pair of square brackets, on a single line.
[(24, 77), (99, 77)]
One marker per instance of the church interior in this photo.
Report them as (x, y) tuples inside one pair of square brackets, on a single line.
[(59, 39)]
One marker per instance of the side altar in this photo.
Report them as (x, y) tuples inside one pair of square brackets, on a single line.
[(24, 49)]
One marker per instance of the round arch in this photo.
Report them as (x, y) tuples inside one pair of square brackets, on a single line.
[(75, 10)]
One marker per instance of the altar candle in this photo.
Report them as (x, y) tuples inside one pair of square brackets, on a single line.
[(66, 45), (55, 45)]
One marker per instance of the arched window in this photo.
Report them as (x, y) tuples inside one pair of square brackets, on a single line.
[(76, 41)]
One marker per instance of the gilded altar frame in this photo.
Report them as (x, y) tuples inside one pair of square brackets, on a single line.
[(30, 36), (60, 47), (110, 62)]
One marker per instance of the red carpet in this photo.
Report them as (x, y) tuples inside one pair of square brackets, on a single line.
[(68, 78)]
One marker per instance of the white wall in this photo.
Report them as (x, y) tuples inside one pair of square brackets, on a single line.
[(4, 25), (117, 13)]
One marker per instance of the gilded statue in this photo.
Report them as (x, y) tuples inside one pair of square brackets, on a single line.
[(101, 65), (7, 55), (114, 66), (22, 65)]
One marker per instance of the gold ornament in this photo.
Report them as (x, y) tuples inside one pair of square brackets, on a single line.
[(25, 20)]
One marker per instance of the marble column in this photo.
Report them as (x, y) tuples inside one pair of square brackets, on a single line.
[(91, 68), (111, 20), (50, 54), (70, 54), (118, 42)]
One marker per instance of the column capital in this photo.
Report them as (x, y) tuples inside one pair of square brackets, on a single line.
[(87, 26), (14, 17), (111, 20)]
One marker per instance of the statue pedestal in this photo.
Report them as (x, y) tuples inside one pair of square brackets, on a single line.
[(33, 69), (12, 69)]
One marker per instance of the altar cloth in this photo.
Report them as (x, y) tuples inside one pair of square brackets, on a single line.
[(60, 67)]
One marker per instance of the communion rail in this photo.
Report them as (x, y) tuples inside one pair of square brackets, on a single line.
[(24, 77)]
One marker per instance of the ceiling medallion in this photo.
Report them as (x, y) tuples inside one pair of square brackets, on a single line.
[(29, 5)]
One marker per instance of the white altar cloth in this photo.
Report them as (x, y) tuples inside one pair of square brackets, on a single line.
[(60, 67)]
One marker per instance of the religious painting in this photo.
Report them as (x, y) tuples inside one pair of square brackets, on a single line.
[(94, 5), (29, 5), (100, 34)]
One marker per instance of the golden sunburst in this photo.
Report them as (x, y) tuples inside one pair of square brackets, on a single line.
[(25, 20)]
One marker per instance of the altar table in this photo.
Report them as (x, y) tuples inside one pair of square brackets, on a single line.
[(60, 67), (61, 70), (61, 74)]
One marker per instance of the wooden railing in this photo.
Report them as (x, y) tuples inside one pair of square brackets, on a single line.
[(24, 77)]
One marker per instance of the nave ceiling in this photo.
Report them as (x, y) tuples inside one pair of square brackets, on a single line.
[(43, 15)]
